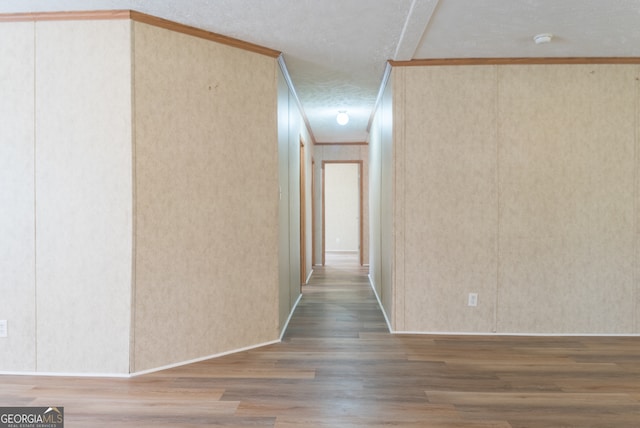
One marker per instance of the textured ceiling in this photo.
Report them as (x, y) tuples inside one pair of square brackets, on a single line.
[(505, 28), (336, 50)]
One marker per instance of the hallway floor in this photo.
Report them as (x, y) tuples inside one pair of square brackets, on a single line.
[(339, 367)]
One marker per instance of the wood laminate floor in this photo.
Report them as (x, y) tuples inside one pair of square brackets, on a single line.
[(339, 367)]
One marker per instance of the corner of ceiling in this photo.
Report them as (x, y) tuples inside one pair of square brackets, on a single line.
[(420, 15)]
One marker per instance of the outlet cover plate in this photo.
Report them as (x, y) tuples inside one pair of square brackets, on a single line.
[(473, 299)]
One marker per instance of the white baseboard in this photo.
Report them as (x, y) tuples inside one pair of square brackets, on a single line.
[(384, 313), (197, 360), (458, 333), (286, 324), (64, 374), (157, 369), (153, 370), (306, 281)]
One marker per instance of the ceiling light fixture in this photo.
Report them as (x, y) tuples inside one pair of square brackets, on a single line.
[(342, 118), (542, 38)]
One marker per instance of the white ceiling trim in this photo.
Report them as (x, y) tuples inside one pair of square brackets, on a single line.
[(418, 19), (294, 94)]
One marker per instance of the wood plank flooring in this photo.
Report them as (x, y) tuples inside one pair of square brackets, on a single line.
[(339, 367)]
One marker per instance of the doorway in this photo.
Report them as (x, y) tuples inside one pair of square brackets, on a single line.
[(342, 219)]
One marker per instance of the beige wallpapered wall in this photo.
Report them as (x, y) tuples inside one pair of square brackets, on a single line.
[(83, 195), (17, 199), (518, 183), (140, 223), (66, 153), (206, 156)]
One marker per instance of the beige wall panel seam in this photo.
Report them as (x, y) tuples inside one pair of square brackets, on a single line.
[(134, 219), (35, 201), (398, 196), (497, 187), (636, 273)]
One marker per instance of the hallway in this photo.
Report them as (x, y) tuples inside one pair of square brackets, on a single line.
[(339, 367)]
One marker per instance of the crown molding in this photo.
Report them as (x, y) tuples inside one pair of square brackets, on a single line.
[(66, 16), (138, 17), (203, 34), (346, 143), (514, 61)]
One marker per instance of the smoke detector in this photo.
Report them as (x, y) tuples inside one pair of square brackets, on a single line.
[(542, 38)]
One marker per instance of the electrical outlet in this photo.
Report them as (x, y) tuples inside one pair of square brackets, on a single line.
[(473, 299), (3, 328)]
